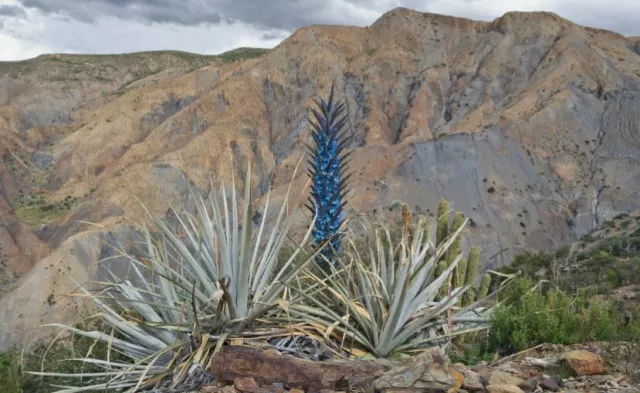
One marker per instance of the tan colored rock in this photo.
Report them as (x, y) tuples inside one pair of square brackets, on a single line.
[(504, 388), (430, 371), (246, 384), (229, 389), (459, 380), (504, 378), (273, 389), (584, 362), (210, 389), (472, 382)]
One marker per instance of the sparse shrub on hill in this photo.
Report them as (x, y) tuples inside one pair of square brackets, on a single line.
[(535, 314)]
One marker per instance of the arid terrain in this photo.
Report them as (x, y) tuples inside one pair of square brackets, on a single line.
[(528, 124)]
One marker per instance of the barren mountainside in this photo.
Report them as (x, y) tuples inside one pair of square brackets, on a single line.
[(529, 125)]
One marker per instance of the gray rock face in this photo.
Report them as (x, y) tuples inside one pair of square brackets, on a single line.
[(493, 182)]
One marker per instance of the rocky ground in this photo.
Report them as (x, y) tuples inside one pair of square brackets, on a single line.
[(593, 368)]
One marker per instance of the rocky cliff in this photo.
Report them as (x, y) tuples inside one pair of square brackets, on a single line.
[(528, 124)]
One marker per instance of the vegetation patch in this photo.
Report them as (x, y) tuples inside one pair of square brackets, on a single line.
[(35, 209), (53, 358), (241, 54)]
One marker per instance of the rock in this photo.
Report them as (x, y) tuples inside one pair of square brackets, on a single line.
[(429, 371), (504, 378), (504, 388), (274, 388), (246, 384), (529, 385), (42, 160), (229, 389), (549, 384), (472, 382), (233, 362), (210, 389), (584, 362), (601, 378)]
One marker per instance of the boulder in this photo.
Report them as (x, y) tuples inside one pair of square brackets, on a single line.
[(428, 372), (583, 362), (472, 382)]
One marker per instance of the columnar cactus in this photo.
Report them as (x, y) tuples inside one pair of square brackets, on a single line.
[(440, 268), (408, 224), (472, 273), (442, 230), (327, 171), (454, 251), (484, 286)]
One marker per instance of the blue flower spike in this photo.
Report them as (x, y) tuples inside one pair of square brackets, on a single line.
[(327, 168)]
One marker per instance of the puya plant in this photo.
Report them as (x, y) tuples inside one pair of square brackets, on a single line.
[(327, 168), (386, 301), (214, 277)]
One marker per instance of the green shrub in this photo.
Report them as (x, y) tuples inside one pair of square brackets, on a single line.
[(530, 315), (53, 360)]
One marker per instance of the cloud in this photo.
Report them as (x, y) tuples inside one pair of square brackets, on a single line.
[(292, 14), (268, 14), (12, 11), (188, 12), (213, 26)]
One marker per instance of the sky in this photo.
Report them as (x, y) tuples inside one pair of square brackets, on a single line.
[(29, 28)]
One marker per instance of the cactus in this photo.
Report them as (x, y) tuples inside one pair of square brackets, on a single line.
[(484, 287), (454, 251), (442, 230), (424, 221), (442, 266), (327, 171), (471, 274), (460, 273), (408, 225)]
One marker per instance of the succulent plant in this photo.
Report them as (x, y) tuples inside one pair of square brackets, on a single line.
[(442, 230), (454, 251), (329, 180), (440, 268), (472, 273), (484, 286), (408, 224)]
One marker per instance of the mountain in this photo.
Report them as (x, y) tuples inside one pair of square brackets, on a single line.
[(528, 124)]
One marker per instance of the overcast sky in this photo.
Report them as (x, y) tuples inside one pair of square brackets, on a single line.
[(29, 28)]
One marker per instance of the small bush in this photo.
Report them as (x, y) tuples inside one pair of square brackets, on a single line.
[(532, 315), (13, 363)]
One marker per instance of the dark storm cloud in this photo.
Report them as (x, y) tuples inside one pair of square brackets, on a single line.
[(187, 12), (280, 14), (12, 11)]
